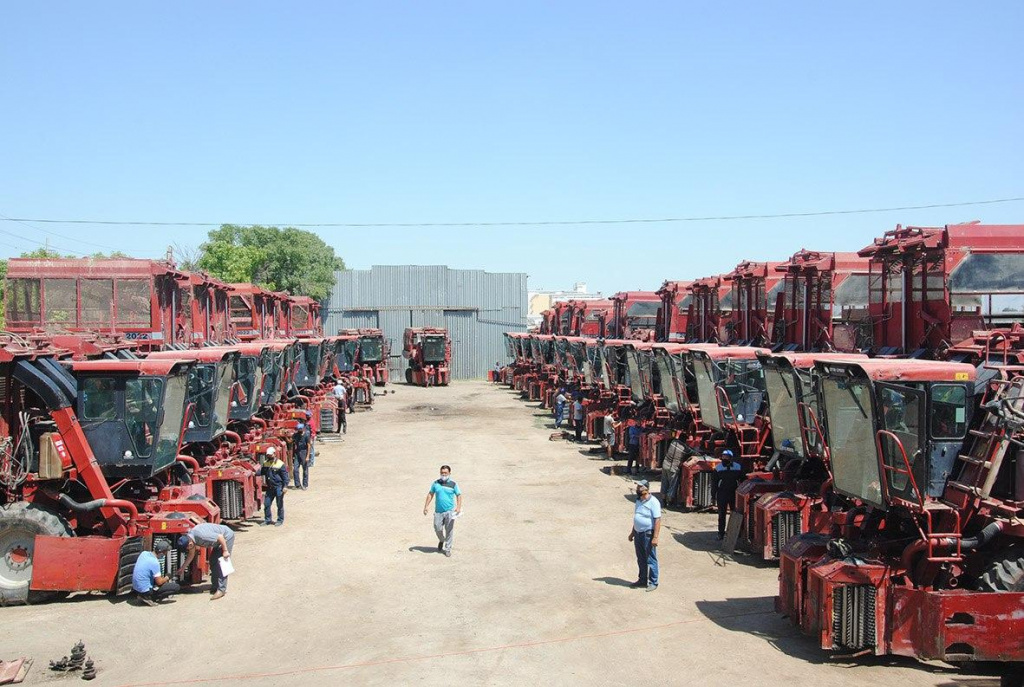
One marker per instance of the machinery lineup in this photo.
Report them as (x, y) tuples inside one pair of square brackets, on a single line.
[(875, 401), (138, 401)]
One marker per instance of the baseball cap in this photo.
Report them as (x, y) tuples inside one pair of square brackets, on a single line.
[(161, 546), (727, 452), (184, 541)]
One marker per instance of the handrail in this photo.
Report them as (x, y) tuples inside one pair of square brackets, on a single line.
[(719, 391), (805, 408), (906, 461)]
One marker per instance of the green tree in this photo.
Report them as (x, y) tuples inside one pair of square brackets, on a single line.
[(44, 254), (288, 259)]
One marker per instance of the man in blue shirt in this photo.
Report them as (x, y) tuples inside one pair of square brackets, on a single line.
[(149, 585), (447, 507), (644, 535), (728, 474)]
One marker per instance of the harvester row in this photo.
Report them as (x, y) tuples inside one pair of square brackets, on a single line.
[(877, 409), (140, 400)]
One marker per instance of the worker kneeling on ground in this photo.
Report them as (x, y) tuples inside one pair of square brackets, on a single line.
[(447, 507), (220, 539), (275, 480), (149, 585)]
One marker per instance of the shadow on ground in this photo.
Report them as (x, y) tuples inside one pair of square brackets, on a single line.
[(424, 549), (614, 581)]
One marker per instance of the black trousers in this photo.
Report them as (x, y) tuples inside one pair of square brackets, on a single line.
[(342, 422), (163, 591), (579, 430), (726, 499), (633, 455)]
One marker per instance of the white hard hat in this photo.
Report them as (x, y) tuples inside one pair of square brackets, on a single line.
[(271, 451)]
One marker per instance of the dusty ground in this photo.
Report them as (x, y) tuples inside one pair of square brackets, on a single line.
[(352, 591)]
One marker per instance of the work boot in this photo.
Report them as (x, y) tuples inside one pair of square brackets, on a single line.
[(146, 600), (638, 584), (651, 587), (448, 553), (266, 522), (217, 595), (278, 523), (440, 546)]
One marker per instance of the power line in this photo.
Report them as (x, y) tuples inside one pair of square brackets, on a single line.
[(647, 220), (45, 244), (53, 233)]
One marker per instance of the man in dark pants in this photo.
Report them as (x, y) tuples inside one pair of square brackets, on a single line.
[(300, 459), (728, 475), (275, 480), (633, 444), (644, 535), (220, 540)]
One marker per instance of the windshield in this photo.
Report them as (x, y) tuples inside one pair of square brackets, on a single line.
[(433, 349), (535, 350), (249, 377), (706, 398), (346, 357), (271, 363), (851, 438), (561, 353), (665, 376), (596, 356), (224, 383), (371, 349), (783, 408), (634, 379), (201, 393), (902, 413), (175, 403), (743, 382)]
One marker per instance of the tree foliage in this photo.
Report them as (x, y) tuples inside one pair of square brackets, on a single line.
[(287, 259)]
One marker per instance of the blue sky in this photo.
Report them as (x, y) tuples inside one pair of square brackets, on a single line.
[(527, 111)]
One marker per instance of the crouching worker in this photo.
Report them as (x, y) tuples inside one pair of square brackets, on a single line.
[(149, 585), (220, 539), (275, 480)]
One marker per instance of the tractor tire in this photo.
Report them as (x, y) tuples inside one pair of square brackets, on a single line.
[(1005, 573), (408, 375), (19, 524)]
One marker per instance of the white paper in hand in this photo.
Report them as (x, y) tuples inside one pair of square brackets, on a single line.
[(226, 567)]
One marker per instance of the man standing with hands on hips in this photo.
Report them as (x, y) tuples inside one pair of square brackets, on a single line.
[(447, 507), (644, 535)]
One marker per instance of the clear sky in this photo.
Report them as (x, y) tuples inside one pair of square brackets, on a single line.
[(526, 111)]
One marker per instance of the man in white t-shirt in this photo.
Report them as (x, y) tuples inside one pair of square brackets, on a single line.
[(341, 396)]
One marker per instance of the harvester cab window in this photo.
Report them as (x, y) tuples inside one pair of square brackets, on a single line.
[(902, 413), (201, 391), (783, 408), (665, 379), (707, 398), (743, 382), (371, 349), (433, 349), (173, 417), (850, 426), (142, 413), (634, 378), (249, 376), (225, 381), (133, 302), (23, 301), (98, 399), (948, 411)]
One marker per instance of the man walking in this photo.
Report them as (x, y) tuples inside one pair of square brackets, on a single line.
[(728, 475), (220, 540), (447, 507), (149, 585), (644, 535), (341, 397), (300, 459), (577, 419), (275, 480)]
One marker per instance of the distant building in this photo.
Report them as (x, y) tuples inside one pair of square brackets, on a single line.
[(476, 307), (542, 300)]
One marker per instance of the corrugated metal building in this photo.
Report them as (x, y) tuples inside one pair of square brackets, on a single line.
[(476, 307)]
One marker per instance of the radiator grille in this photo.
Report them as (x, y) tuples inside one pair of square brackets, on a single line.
[(702, 482), (228, 496), (170, 563), (853, 616), (751, 519), (785, 526)]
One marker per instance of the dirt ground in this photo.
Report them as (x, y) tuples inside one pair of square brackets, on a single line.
[(352, 590)]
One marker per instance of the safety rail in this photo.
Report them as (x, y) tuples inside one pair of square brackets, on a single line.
[(886, 468)]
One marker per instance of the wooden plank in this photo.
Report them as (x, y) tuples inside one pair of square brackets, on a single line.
[(732, 531)]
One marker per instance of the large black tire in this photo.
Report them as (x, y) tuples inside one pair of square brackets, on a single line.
[(19, 524), (1005, 573)]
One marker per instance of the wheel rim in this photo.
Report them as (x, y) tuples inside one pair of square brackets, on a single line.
[(16, 547)]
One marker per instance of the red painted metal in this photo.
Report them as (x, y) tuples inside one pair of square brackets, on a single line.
[(75, 564), (673, 314), (425, 368)]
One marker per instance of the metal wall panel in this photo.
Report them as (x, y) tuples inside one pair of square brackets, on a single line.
[(477, 307)]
